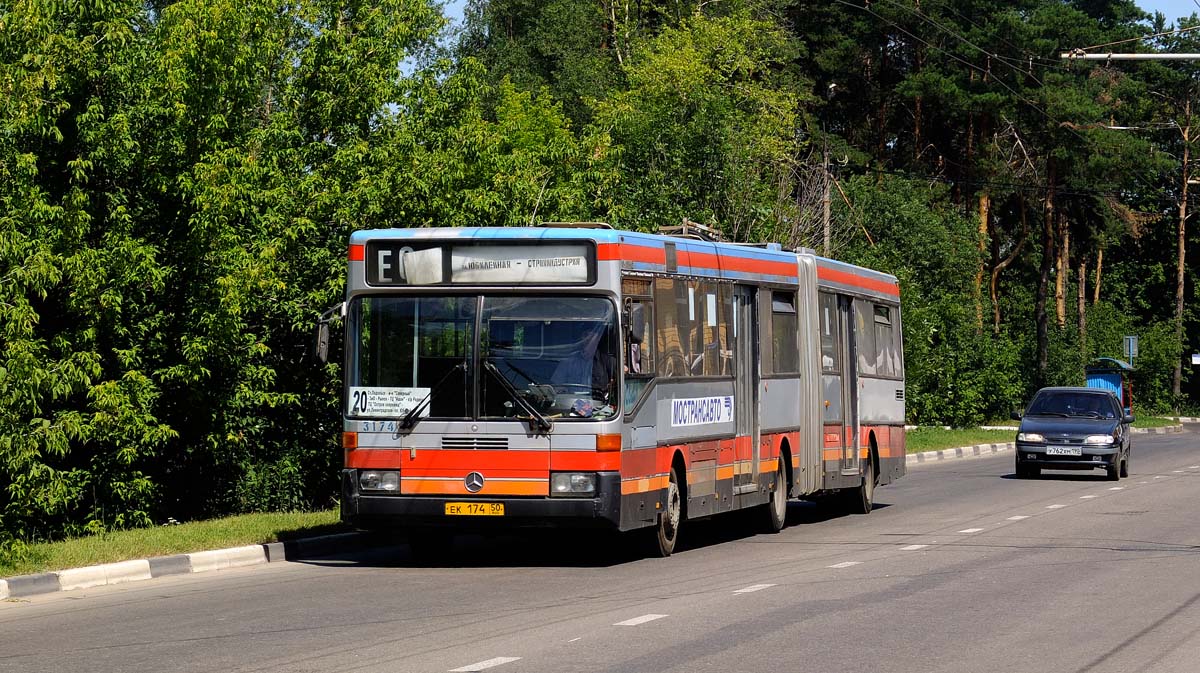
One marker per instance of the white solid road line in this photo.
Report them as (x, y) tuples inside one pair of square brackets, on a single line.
[(484, 665), (970, 530), (913, 547), (753, 587), (639, 620), (1018, 517), (844, 564)]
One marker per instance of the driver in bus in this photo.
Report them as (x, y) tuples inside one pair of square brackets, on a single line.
[(588, 366)]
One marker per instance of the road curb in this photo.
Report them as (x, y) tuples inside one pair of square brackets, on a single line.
[(989, 449), (958, 452), (178, 564)]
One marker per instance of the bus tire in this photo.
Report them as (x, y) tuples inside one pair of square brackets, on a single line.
[(860, 500), (666, 533), (774, 513)]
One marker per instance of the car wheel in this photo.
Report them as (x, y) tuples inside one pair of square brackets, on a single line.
[(1125, 465), (1114, 470)]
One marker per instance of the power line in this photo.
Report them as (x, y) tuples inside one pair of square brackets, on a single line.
[(970, 65)]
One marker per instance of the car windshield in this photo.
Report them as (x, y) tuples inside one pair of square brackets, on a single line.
[(535, 357), (1069, 404)]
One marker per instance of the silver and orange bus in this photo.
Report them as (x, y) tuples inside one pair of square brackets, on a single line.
[(579, 375)]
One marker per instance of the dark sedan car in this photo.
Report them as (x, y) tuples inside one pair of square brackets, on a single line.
[(1073, 429)]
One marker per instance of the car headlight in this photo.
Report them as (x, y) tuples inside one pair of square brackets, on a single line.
[(572, 483), (387, 481), (1030, 437), (1100, 439)]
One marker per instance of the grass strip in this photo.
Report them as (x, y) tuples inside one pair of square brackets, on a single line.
[(234, 531), (936, 439)]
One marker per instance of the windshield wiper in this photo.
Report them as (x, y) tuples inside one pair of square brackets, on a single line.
[(1050, 413), (535, 416), (410, 419)]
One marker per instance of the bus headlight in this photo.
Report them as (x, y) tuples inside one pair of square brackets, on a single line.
[(387, 481), (572, 483)]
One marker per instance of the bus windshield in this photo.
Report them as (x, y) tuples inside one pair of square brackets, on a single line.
[(555, 355)]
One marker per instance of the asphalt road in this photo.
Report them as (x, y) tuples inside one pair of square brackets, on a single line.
[(961, 568)]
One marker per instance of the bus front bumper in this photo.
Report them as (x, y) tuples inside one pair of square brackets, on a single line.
[(381, 512)]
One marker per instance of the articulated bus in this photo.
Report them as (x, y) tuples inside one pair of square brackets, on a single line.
[(577, 375)]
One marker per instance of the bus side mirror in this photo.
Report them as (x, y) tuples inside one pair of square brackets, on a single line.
[(321, 342), (637, 323), (321, 347)]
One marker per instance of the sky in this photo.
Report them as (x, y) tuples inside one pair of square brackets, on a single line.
[(1172, 9)]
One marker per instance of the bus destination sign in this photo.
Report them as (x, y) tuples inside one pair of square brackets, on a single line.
[(397, 263)]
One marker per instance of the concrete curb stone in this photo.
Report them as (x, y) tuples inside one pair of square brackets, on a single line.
[(178, 564)]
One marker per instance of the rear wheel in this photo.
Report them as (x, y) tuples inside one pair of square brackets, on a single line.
[(774, 513), (666, 533), (861, 499)]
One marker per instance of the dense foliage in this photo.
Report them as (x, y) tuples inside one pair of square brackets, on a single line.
[(178, 181)]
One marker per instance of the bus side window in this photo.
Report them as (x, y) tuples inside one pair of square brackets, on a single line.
[(884, 348), (830, 335), (785, 356), (864, 337)]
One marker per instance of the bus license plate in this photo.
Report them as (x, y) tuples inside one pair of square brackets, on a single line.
[(1063, 451), (474, 509)]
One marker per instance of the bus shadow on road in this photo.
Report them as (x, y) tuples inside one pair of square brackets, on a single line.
[(568, 548)]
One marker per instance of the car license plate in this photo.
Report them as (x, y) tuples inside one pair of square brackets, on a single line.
[(475, 509), (1063, 451)]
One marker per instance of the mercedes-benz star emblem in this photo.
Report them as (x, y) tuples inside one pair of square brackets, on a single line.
[(474, 482)]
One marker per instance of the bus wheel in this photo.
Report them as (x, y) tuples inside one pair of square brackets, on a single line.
[(774, 513), (667, 531), (860, 500)]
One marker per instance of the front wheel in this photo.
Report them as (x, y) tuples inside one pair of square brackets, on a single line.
[(1125, 465), (666, 533), (774, 513)]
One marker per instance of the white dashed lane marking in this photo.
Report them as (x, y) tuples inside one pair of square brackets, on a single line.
[(970, 530), (913, 547), (639, 620), (1194, 467), (1018, 517), (1055, 506), (1117, 488), (753, 587), (844, 564), (1087, 497), (484, 665)]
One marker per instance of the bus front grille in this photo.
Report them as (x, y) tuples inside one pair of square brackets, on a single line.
[(449, 442)]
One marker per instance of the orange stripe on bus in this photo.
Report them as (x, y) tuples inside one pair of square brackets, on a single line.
[(585, 460), (491, 487), (645, 484), (847, 278), (643, 253), (373, 459)]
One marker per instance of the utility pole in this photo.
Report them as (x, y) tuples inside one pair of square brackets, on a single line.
[(1185, 130), (825, 223)]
